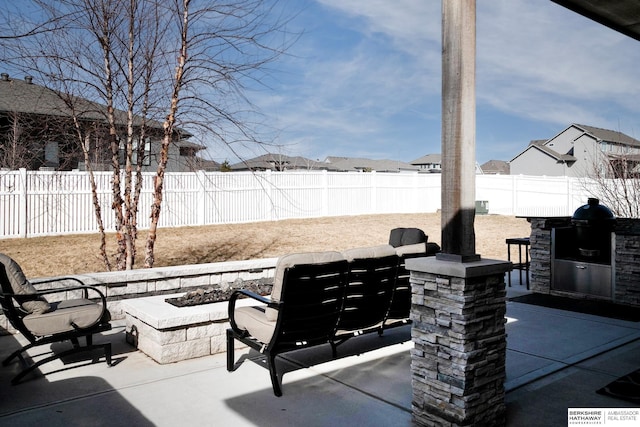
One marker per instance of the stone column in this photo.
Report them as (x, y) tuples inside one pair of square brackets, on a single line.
[(458, 360)]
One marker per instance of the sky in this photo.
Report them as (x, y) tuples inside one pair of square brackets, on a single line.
[(364, 79)]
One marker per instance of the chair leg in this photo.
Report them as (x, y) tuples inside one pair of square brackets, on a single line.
[(30, 368), (334, 349), (275, 382), (17, 353), (106, 348), (230, 351)]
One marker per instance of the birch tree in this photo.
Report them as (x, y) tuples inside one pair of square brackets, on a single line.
[(173, 66)]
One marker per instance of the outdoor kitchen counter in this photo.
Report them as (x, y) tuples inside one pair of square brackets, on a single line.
[(625, 264)]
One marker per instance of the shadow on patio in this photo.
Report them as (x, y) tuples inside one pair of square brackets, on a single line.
[(555, 360)]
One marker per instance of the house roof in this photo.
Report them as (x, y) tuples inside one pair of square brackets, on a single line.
[(206, 164), (539, 144), (496, 167), (272, 161), (189, 144), (347, 164), (537, 141), (25, 96), (428, 159), (609, 135), (558, 156)]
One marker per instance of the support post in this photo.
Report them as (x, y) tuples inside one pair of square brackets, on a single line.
[(458, 301), (458, 130), (23, 211)]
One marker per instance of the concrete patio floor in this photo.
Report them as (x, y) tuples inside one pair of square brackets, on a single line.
[(555, 360)]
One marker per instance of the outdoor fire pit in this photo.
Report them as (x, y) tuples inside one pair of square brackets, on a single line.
[(171, 328), (216, 294)]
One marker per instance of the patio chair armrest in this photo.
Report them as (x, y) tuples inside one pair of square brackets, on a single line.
[(255, 296), (79, 286), (85, 290), (247, 293), (80, 283), (57, 279)]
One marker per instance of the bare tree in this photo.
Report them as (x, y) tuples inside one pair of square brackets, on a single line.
[(16, 150), (160, 69), (616, 182)]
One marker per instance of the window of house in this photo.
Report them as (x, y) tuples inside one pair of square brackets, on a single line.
[(146, 160), (134, 158)]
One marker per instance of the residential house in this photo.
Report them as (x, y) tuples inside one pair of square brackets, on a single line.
[(580, 151), (277, 162), (206, 165), (429, 163), (37, 131), (355, 164), (432, 163), (281, 162), (495, 167)]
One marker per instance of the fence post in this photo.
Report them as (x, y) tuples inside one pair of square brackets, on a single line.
[(374, 192), (415, 208), (325, 193), (202, 197), (569, 188), (514, 194), (23, 219), (268, 175)]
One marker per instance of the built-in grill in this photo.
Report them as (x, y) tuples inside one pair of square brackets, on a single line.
[(581, 254)]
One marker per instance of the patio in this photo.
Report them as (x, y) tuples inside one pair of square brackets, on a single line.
[(555, 360)]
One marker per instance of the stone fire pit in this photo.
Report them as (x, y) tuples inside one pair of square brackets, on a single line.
[(169, 333), (217, 294)]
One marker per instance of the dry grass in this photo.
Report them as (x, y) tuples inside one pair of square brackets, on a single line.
[(61, 255)]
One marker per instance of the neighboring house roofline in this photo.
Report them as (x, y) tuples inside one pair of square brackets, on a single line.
[(270, 161), (27, 97), (598, 134), (609, 135), (426, 159), (347, 164), (564, 158), (495, 167)]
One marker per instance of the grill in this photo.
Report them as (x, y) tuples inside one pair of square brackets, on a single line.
[(581, 253)]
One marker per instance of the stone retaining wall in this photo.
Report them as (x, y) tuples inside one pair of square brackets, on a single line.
[(122, 285)]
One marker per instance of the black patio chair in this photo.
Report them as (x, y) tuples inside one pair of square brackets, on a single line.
[(303, 310), (370, 284), (409, 243), (42, 322)]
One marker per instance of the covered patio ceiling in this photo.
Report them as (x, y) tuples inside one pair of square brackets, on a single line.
[(620, 15)]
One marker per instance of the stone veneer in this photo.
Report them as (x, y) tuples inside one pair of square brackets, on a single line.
[(170, 334), (626, 268), (458, 362)]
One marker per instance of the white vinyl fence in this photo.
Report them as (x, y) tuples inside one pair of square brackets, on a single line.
[(39, 203)]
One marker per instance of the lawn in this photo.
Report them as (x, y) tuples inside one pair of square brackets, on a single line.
[(62, 255)]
